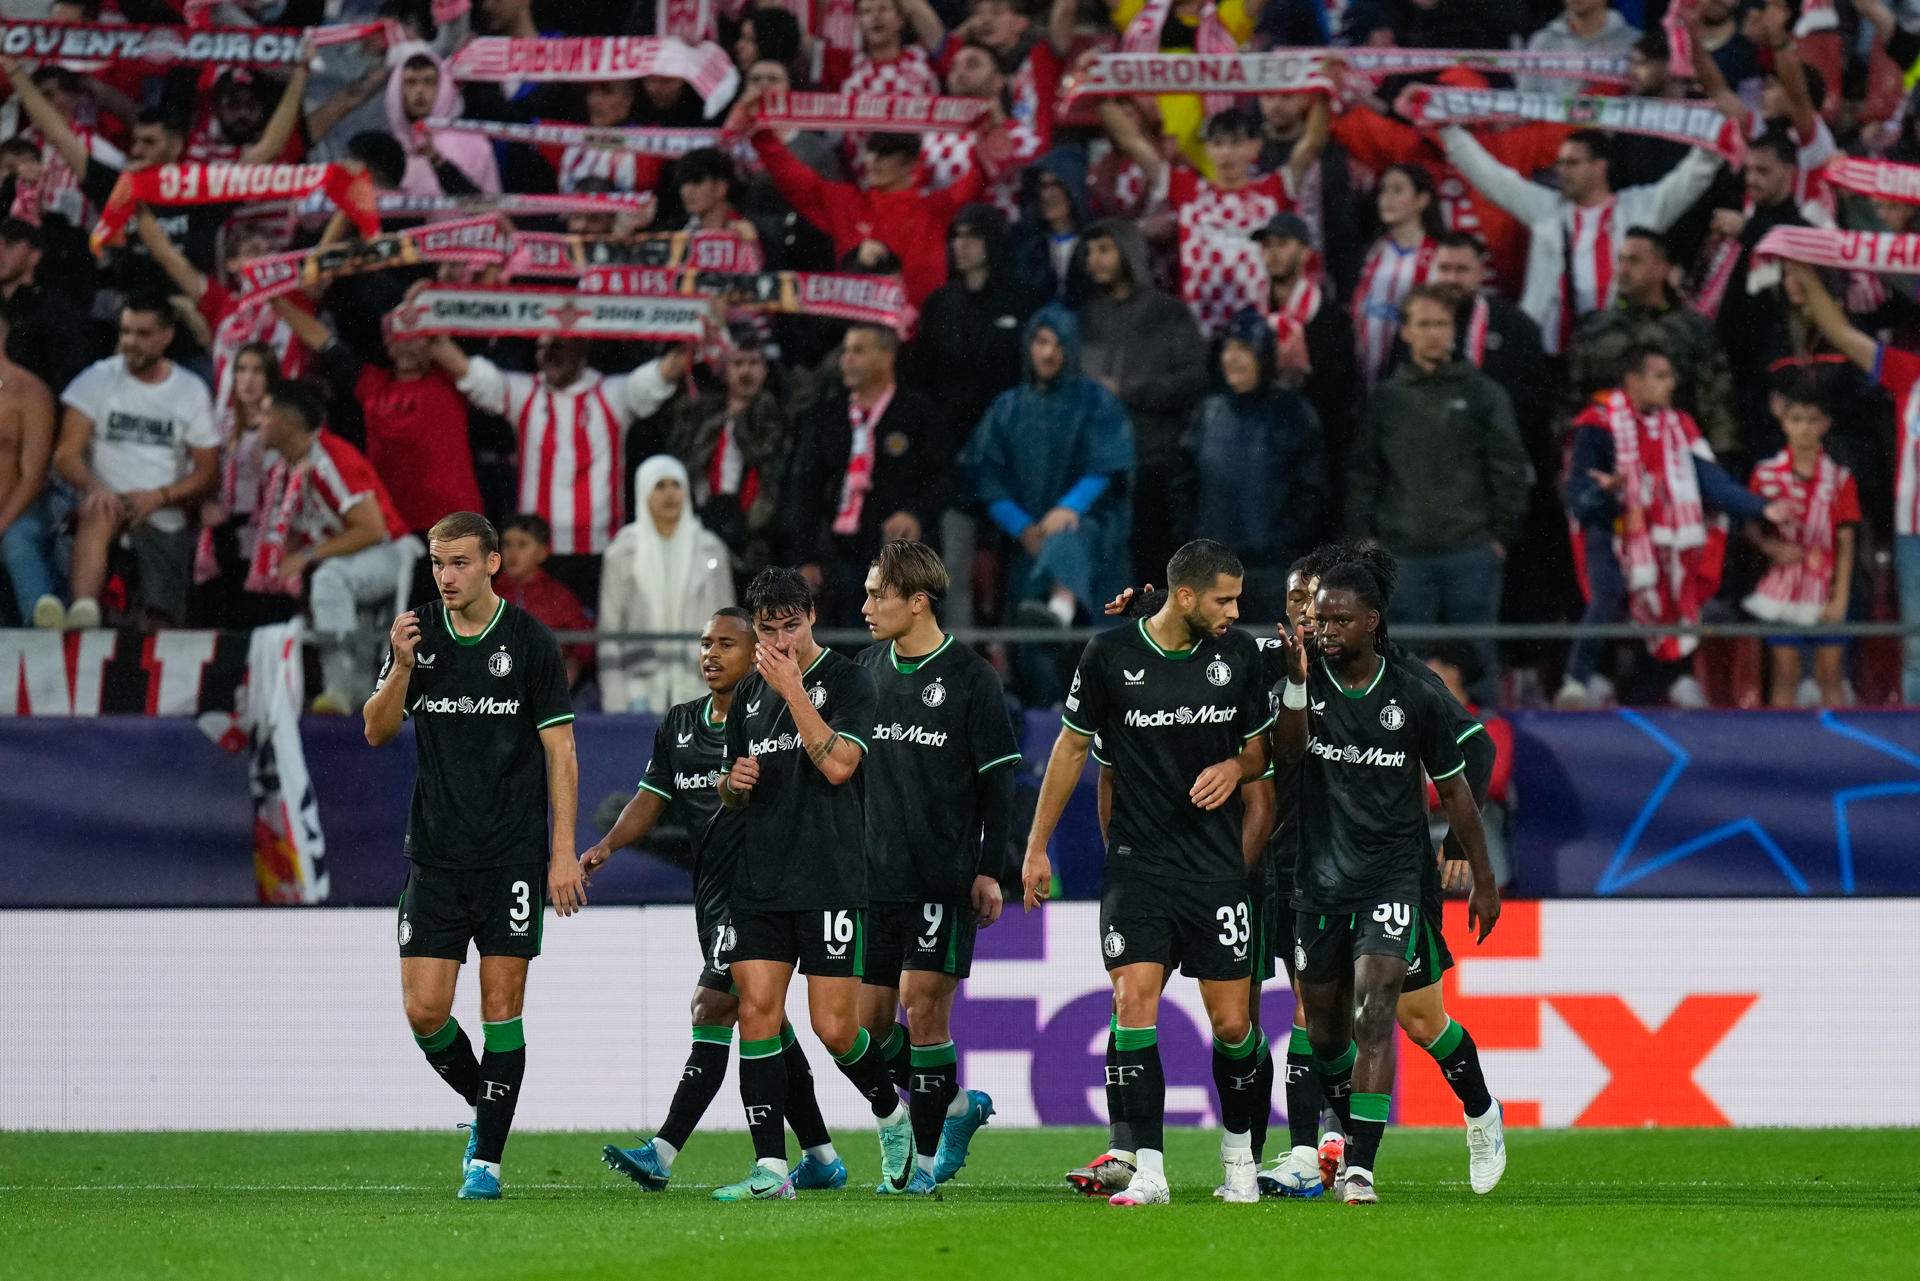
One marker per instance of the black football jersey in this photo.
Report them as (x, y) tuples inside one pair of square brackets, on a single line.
[(478, 704), (803, 842), (940, 722), (688, 761), (1362, 796), (1161, 718)]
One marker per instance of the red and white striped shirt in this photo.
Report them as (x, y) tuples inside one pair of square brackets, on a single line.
[(572, 444), (1899, 372), (234, 326), (338, 479), (1221, 271), (1389, 273), (1593, 246)]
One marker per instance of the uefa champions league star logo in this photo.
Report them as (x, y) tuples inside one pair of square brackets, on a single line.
[(1391, 717), (1218, 672), (499, 663), (817, 696), (934, 694)]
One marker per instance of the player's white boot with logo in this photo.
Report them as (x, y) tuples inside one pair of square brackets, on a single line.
[(1149, 1183), (1242, 1172), (1487, 1149)]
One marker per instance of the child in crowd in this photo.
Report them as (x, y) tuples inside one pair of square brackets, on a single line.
[(526, 541)]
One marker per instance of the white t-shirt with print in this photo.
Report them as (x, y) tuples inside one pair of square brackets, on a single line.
[(142, 431)]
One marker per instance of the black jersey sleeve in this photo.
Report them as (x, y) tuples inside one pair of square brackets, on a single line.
[(658, 776), (1255, 703), (1086, 705), (989, 728), (851, 704), (547, 679), (1439, 753), (736, 736)]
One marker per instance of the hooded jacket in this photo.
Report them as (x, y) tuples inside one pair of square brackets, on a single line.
[(968, 350), (1064, 441), (1260, 461), (471, 154), (1033, 244), (1438, 466), (1146, 344)]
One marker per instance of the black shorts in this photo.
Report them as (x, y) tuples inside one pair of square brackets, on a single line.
[(497, 909), (1432, 958), (828, 942), (934, 937), (1326, 943), (714, 931), (1273, 935), (1207, 930)]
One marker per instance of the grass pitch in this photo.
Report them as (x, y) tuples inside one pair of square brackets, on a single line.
[(1574, 1204)]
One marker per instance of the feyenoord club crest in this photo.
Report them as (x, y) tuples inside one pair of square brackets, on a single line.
[(499, 663), (1115, 943), (817, 696), (406, 931), (1218, 672), (934, 694), (1391, 717), (1299, 958)]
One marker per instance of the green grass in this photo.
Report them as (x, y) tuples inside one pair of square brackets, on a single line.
[(1574, 1204)]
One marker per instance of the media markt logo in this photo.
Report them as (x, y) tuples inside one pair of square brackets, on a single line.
[(1137, 719), (918, 735), (1351, 755), (467, 705)]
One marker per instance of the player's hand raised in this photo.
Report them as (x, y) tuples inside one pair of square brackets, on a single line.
[(1483, 909), (405, 638), (744, 774), (1036, 878), (1293, 649), (987, 902), (591, 859), (780, 672), (1215, 785), (566, 886)]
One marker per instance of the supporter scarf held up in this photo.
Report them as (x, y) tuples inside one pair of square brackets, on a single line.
[(221, 183), (870, 112), (1697, 124), (1145, 32), (582, 59), (1222, 74)]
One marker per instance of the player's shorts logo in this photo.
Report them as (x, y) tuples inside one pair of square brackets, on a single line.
[(934, 694), (1299, 957), (1218, 672), (406, 931), (1115, 943), (499, 663), (1391, 717), (817, 696)]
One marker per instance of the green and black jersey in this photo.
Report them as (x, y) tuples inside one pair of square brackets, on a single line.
[(803, 839), (940, 721), (1162, 717), (478, 704), (689, 757), (1362, 800)]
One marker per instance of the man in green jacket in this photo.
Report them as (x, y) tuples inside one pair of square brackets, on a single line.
[(1439, 475)]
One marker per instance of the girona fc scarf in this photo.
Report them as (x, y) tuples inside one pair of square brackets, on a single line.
[(221, 183), (1599, 68), (582, 59), (1214, 74), (670, 143), (472, 241), (536, 253), (1144, 33), (98, 44), (514, 311), (688, 20), (871, 300), (1697, 124), (1891, 252), (1882, 178), (870, 112)]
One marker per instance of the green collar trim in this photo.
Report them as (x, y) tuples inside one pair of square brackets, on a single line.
[(908, 666), (824, 651), (1356, 693), (1176, 655), (499, 608), (706, 715)]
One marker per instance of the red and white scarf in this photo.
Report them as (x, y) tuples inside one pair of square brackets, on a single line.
[(1799, 593), (1679, 38), (88, 46), (1599, 68), (221, 182), (1474, 342), (1896, 253), (1695, 123), (1144, 33), (670, 143), (473, 241), (1662, 537), (281, 497), (870, 112), (859, 479), (1882, 178), (688, 20), (512, 311), (1220, 76), (584, 59), (556, 255)]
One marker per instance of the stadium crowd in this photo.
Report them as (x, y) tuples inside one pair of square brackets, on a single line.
[(1542, 363)]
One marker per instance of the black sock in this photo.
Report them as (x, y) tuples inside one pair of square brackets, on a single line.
[(1368, 1126), (1236, 1076), (1119, 1129), (501, 1069), (451, 1054), (1336, 1082), (699, 1082), (897, 1052), (933, 1083), (1262, 1100), (863, 1066), (803, 1107), (1142, 1084), (763, 1092), (1459, 1060), (1304, 1095)]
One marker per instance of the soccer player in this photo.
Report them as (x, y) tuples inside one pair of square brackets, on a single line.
[(1177, 702), (689, 753), (939, 808), (486, 689), (795, 745), (1365, 729)]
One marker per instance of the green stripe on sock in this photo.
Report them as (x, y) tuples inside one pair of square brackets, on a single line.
[(1371, 1107), (713, 1035), (786, 1035), (1113, 1025), (1135, 1038), (1248, 1044), (1342, 1064), (505, 1036), (1263, 1048), (859, 1047), (1444, 1044), (439, 1040), (765, 1049), (934, 1055), (891, 1046), (1299, 1042)]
